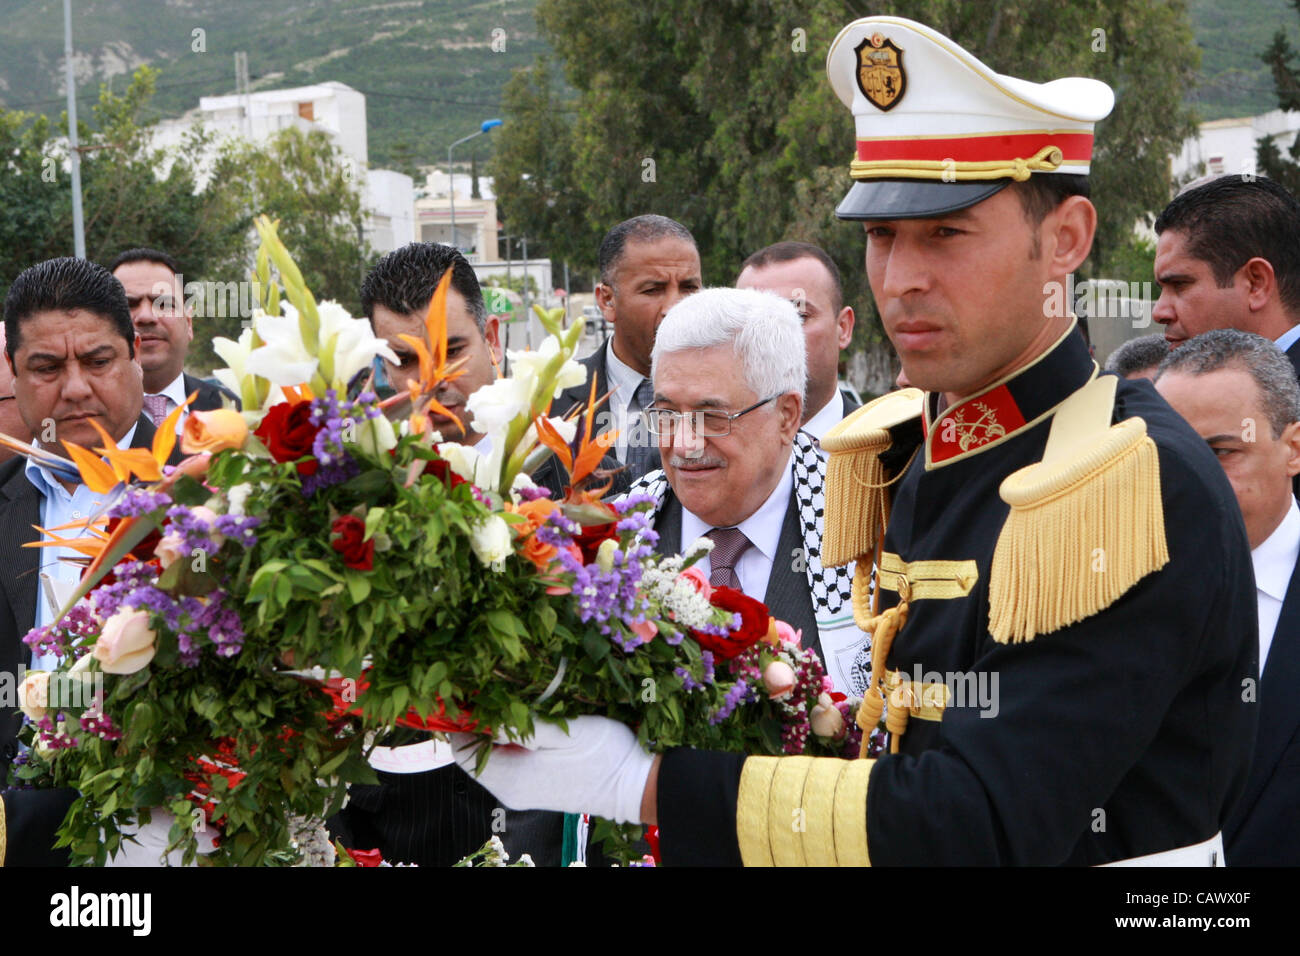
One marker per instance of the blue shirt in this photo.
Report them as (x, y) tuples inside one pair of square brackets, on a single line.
[(59, 506), (1288, 338)]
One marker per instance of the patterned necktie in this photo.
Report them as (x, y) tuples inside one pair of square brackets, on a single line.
[(728, 545), (155, 407), (642, 446)]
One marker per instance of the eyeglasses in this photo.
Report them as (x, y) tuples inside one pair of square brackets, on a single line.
[(704, 424)]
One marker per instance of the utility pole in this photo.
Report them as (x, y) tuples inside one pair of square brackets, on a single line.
[(243, 89), (74, 147)]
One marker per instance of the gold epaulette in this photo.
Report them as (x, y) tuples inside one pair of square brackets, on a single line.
[(803, 811), (856, 489), (1086, 523), (4, 832)]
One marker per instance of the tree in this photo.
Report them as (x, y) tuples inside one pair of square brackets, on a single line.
[(720, 116), (1269, 158)]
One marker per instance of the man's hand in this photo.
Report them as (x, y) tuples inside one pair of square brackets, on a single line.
[(597, 767)]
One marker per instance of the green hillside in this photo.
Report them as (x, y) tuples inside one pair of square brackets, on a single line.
[(1232, 35), (427, 67)]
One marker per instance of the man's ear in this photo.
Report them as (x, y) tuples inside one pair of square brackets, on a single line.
[(1067, 233), (789, 410), (492, 335), (605, 300), (844, 326), (1291, 438), (1260, 280)]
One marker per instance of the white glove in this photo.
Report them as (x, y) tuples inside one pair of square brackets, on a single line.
[(148, 841), (597, 767)]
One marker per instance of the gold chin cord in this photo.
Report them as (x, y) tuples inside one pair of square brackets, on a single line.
[(883, 628)]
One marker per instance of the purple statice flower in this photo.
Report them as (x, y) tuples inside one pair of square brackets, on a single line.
[(79, 624), (46, 640), (222, 624), (136, 502), (238, 528), (533, 494), (336, 421), (739, 693), (610, 596), (706, 657), (195, 532), (130, 576), (624, 505), (689, 683)]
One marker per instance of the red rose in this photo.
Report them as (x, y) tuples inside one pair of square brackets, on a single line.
[(753, 624), (591, 536), (439, 468), (347, 534), (365, 857), (288, 434)]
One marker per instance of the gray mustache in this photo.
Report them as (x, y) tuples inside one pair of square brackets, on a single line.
[(678, 461)]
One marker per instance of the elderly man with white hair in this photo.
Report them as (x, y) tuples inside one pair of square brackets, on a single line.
[(729, 373)]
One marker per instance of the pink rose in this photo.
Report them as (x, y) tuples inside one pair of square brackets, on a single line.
[(826, 719), (646, 630), (698, 578), (169, 547), (778, 678), (788, 634), (127, 643)]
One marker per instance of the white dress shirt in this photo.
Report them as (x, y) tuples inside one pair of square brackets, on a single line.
[(1275, 561), (830, 415), (1288, 338), (623, 380), (762, 528), (175, 395)]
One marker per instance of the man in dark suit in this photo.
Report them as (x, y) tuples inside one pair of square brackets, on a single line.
[(1228, 257), (729, 379), (808, 277), (647, 265), (1238, 392), (164, 318), (71, 346)]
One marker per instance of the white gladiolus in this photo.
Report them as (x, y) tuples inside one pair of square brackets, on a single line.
[(527, 367), (235, 355), (283, 359), (491, 540)]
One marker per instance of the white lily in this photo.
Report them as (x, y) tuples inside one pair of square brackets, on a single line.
[(284, 359), (355, 345)]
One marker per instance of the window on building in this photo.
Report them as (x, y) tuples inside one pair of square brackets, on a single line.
[(307, 111)]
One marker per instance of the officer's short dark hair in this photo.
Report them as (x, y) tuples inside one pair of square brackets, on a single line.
[(65, 285), (404, 281), (791, 251), (1232, 219), (1042, 193), (637, 229), (1268, 365), (145, 254), (1138, 354)]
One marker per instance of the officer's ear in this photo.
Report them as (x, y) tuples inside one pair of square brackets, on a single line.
[(1067, 231), (605, 300)]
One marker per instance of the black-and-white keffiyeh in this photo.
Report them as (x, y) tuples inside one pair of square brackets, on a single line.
[(830, 587)]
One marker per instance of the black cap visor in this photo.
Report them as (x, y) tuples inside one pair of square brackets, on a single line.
[(913, 198)]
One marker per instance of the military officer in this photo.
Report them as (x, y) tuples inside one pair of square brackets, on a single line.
[(1063, 612)]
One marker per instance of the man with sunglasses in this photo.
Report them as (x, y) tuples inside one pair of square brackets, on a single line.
[(729, 373)]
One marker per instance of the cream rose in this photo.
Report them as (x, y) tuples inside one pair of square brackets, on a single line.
[(34, 695), (826, 719), (127, 643)]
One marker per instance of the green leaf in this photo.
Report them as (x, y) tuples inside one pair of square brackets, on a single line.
[(358, 587)]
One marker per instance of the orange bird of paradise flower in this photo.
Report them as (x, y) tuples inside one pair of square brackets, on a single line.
[(434, 368), (590, 450)]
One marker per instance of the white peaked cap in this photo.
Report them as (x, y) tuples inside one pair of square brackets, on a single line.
[(937, 130)]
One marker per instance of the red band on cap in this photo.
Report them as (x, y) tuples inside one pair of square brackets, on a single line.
[(1003, 147)]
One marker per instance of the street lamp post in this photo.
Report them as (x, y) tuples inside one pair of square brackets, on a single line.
[(486, 127)]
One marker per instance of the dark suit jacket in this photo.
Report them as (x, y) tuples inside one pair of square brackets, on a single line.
[(31, 815), (787, 597), (1264, 827), (551, 475), (851, 404), (209, 397)]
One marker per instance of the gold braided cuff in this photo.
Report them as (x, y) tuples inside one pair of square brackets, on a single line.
[(803, 811), (751, 810), (4, 832)]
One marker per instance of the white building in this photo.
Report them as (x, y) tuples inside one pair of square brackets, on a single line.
[(1228, 145), (336, 109)]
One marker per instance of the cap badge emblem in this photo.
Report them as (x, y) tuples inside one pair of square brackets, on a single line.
[(880, 71)]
